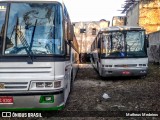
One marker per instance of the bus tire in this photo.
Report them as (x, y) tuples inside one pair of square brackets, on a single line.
[(98, 69)]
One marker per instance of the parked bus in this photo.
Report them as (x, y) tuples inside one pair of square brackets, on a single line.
[(120, 51), (38, 55)]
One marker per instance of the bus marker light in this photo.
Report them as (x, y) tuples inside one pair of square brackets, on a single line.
[(144, 64), (106, 65), (110, 65), (142, 71)]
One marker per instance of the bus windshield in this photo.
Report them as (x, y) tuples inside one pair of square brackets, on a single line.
[(135, 43), (123, 44), (34, 29)]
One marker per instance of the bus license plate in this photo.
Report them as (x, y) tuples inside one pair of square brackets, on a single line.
[(6, 100), (126, 73)]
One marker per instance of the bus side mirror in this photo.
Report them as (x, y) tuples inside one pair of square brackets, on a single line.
[(0, 41), (147, 40), (99, 44), (70, 32)]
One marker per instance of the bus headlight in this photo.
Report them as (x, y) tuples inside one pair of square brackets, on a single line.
[(57, 84), (45, 85), (48, 84), (40, 85)]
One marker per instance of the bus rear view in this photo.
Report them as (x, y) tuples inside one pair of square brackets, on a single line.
[(121, 51)]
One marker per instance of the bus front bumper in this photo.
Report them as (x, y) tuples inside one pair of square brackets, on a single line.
[(123, 72), (34, 101)]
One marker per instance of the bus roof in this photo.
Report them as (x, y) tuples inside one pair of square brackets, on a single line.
[(121, 28), (60, 1)]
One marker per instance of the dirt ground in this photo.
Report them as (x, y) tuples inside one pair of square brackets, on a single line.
[(126, 94)]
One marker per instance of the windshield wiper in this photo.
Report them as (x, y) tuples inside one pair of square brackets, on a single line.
[(31, 43), (23, 41)]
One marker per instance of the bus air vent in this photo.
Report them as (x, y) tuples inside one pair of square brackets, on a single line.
[(126, 65), (14, 86)]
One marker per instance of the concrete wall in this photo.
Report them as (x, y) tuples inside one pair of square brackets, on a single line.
[(119, 20), (154, 47), (85, 39), (149, 15), (133, 15), (145, 13)]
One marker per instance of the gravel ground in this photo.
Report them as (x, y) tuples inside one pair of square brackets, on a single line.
[(126, 94)]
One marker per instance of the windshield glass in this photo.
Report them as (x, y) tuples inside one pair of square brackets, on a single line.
[(135, 43), (123, 44), (34, 28)]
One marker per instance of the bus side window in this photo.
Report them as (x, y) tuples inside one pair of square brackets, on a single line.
[(66, 21), (99, 43), (104, 45), (99, 46), (68, 26)]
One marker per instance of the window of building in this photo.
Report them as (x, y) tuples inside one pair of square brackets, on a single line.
[(82, 30), (93, 31)]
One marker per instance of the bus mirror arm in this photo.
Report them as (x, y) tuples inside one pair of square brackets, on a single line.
[(147, 40)]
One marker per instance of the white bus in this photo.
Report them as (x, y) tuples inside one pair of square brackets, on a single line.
[(38, 55), (120, 51)]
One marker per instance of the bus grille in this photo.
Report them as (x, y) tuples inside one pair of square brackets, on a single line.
[(126, 65), (19, 70), (13, 86)]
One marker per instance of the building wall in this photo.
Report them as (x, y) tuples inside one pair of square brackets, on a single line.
[(149, 15), (146, 14), (133, 15), (85, 38), (119, 20), (154, 47)]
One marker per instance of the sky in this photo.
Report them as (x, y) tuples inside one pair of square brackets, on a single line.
[(93, 10)]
